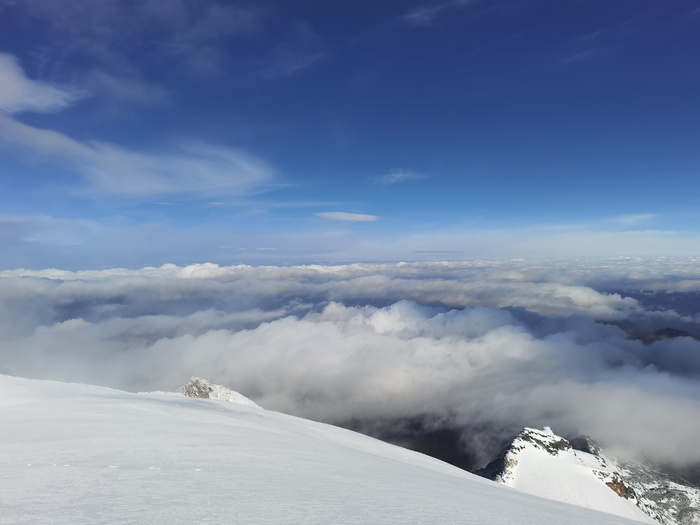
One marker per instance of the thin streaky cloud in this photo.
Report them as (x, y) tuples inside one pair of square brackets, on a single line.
[(191, 168), (438, 251), (124, 88), (301, 48), (634, 219), (427, 15), (582, 56), (19, 93), (423, 16), (346, 217), (396, 176)]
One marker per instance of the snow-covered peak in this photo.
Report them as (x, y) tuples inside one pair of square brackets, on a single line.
[(203, 389), (541, 463), (545, 440)]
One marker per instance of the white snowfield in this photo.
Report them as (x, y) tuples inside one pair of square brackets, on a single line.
[(73, 454), (544, 464)]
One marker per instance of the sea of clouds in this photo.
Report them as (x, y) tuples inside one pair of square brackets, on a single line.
[(481, 347)]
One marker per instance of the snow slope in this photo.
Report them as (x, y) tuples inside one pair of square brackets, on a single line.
[(543, 464), (74, 453)]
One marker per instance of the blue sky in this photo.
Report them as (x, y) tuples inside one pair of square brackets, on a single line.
[(141, 132)]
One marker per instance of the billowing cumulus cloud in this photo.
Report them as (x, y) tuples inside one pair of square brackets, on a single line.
[(480, 347)]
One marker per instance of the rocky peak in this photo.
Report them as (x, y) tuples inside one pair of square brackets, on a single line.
[(201, 388), (579, 472), (542, 439)]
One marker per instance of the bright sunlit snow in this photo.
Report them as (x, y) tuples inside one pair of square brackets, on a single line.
[(85, 454), (542, 463)]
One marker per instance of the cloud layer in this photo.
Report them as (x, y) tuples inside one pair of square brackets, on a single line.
[(490, 346)]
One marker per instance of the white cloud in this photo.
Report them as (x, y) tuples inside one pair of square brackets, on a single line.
[(19, 93), (191, 35), (422, 16), (125, 88), (511, 343), (514, 344), (347, 217), (192, 168), (197, 34), (552, 289), (285, 64), (582, 56), (635, 219), (396, 176), (299, 49), (426, 15)]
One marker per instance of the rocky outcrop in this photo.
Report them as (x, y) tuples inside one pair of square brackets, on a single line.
[(203, 389), (579, 472)]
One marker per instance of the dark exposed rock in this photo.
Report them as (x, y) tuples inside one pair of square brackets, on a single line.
[(647, 337)]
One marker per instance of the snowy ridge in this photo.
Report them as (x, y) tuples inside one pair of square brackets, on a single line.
[(669, 501), (541, 463), (84, 454), (203, 389)]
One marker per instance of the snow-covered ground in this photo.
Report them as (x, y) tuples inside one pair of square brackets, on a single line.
[(73, 453), (543, 464)]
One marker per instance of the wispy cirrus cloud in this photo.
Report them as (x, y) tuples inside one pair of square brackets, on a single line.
[(193, 36), (347, 217), (110, 31), (190, 167), (18, 93), (427, 15), (582, 56), (206, 29), (396, 176), (635, 218), (124, 87), (300, 48)]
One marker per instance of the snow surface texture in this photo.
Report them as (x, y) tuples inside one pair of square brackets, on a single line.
[(203, 389), (541, 463), (75, 453)]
